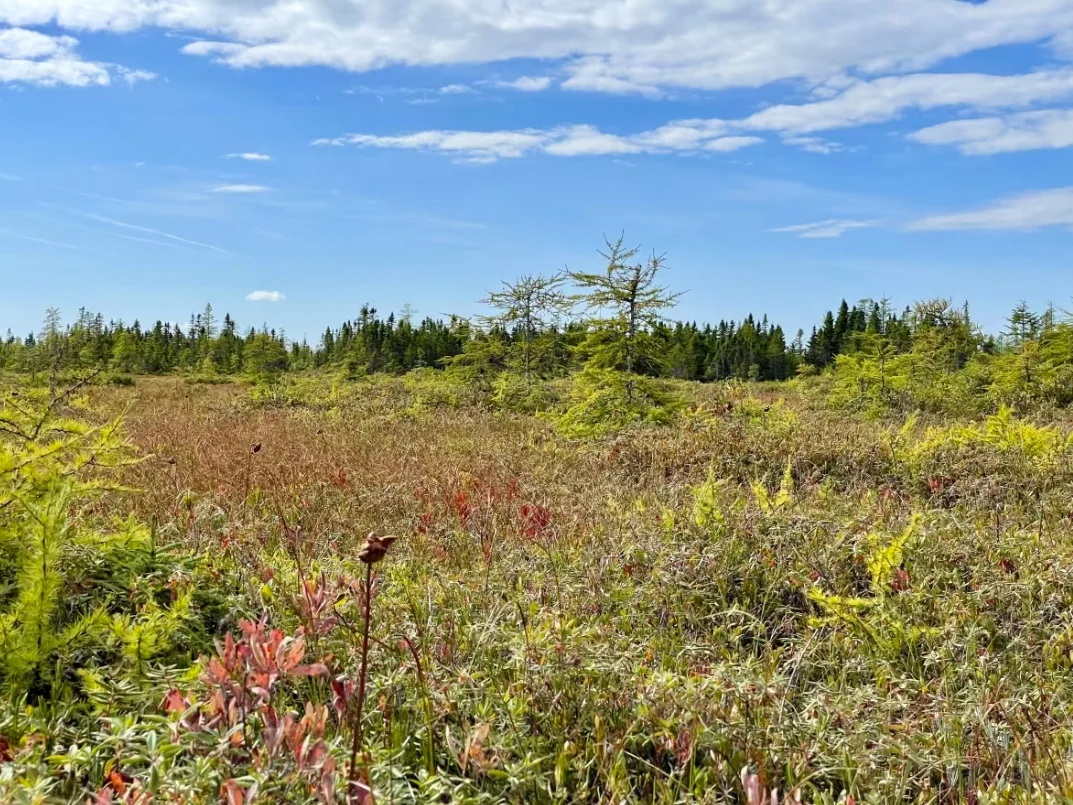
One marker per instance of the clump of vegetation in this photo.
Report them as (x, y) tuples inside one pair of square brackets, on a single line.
[(604, 401)]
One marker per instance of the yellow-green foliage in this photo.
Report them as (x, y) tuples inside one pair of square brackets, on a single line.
[(511, 392), (877, 619), (884, 559), (605, 401), (707, 510), (929, 377), (49, 468), (782, 498), (1001, 433)]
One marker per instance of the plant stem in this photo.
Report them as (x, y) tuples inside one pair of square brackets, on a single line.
[(352, 784)]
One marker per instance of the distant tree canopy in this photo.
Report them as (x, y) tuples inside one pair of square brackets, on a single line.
[(618, 319), (371, 343), (547, 341)]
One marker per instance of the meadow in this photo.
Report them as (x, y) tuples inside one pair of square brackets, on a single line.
[(762, 595)]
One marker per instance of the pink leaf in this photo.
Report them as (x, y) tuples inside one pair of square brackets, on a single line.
[(316, 669), (232, 793)]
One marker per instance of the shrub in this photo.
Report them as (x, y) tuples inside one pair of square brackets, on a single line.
[(605, 401), (511, 392), (75, 588)]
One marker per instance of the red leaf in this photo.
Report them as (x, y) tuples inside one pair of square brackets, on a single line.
[(361, 794), (175, 703), (316, 669), (118, 783), (232, 793)]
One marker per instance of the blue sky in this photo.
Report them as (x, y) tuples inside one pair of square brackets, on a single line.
[(327, 153)]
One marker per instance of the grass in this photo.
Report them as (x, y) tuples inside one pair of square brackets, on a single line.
[(841, 605)]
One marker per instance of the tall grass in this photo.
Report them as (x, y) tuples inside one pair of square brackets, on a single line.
[(762, 595)]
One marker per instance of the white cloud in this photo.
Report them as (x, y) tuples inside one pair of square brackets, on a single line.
[(814, 145), (1025, 131), (457, 89), (588, 140), (690, 136), (684, 134), (251, 156), (527, 83), (18, 43), (132, 77), (241, 189), (29, 57), (846, 103), (832, 228), (476, 146), (1025, 211), (886, 98), (649, 46), (265, 296), (728, 144), (7, 177)]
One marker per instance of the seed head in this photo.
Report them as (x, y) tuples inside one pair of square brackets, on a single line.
[(375, 548)]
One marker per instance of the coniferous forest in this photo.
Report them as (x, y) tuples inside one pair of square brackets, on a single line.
[(751, 349)]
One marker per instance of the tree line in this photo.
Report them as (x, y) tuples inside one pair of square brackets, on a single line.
[(538, 326)]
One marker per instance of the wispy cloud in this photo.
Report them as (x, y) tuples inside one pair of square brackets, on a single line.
[(832, 228), (45, 241), (7, 177), (251, 156), (457, 89), (527, 83), (1021, 212), (111, 233), (857, 103), (132, 77), (97, 196), (145, 229), (814, 145), (265, 296), (691, 136), (241, 189), (1025, 131)]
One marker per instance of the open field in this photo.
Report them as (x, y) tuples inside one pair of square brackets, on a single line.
[(842, 606)]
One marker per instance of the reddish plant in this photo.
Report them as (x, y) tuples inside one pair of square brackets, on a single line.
[(461, 506), (316, 607), (240, 683), (537, 519)]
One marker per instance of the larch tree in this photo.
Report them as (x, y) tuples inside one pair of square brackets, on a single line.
[(531, 305), (627, 301)]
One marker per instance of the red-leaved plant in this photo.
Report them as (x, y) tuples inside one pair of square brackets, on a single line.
[(239, 707)]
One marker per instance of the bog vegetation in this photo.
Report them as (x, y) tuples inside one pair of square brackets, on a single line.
[(526, 558)]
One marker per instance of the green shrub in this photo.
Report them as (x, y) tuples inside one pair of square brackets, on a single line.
[(510, 392), (74, 588), (605, 401)]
